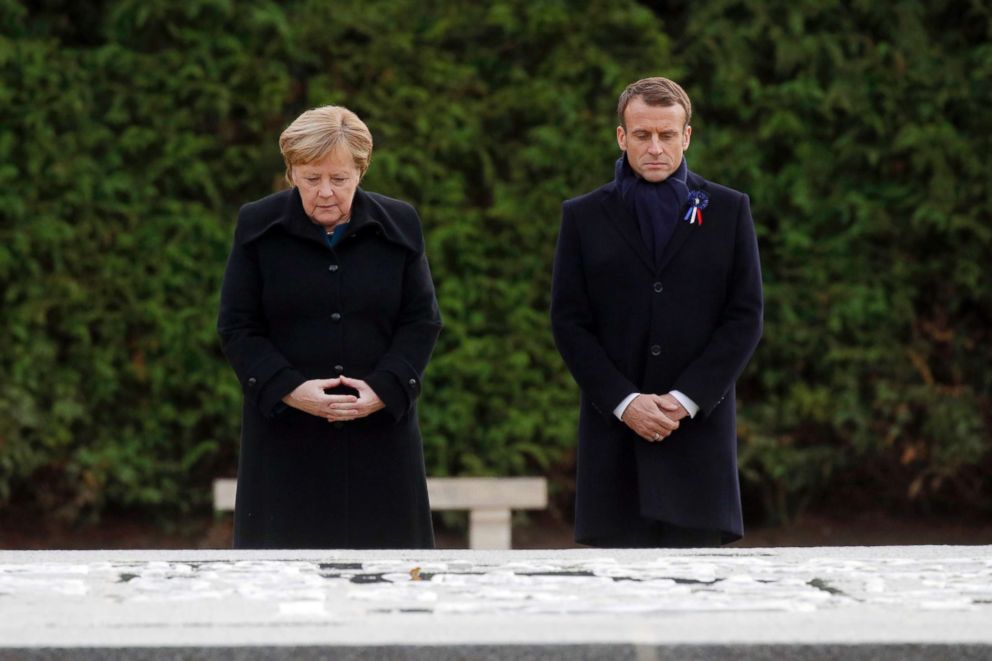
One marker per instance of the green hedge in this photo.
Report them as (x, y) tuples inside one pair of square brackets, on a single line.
[(862, 132), (131, 131)]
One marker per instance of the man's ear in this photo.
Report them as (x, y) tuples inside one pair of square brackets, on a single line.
[(622, 138)]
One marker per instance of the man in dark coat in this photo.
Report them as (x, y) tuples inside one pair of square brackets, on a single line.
[(328, 317), (656, 309)]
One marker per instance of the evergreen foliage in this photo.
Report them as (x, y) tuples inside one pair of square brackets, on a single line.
[(861, 131), (131, 131)]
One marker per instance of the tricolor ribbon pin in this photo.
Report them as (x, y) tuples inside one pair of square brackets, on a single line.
[(697, 202)]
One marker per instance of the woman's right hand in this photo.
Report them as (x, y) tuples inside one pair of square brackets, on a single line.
[(310, 397)]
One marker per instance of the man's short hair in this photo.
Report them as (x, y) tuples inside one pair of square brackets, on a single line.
[(655, 91)]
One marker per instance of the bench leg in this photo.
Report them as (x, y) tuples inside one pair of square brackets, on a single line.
[(489, 528)]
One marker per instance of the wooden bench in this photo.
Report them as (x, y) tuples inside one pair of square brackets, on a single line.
[(489, 501)]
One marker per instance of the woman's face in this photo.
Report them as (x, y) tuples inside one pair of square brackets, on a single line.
[(327, 187)]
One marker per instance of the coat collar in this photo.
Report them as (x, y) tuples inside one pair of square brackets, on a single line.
[(368, 215), (626, 224)]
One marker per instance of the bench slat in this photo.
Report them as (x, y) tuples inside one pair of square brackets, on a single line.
[(488, 499), (466, 493), (447, 493)]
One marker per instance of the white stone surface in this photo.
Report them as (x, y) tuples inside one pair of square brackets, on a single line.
[(888, 595)]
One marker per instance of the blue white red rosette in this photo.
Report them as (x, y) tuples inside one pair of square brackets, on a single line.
[(697, 202)]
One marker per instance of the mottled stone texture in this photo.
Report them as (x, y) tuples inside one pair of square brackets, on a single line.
[(822, 603)]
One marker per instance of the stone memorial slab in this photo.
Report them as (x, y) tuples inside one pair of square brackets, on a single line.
[(877, 603)]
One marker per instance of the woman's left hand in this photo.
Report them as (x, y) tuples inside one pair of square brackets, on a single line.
[(367, 404)]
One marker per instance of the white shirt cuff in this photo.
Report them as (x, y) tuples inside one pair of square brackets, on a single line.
[(622, 406), (689, 405)]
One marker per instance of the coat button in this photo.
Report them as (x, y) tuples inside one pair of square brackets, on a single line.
[(336, 316), (332, 268), (413, 383), (655, 350), (338, 424), (252, 381), (658, 288), (339, 368)]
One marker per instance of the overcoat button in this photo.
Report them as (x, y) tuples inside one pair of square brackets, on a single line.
[(252, 381), (658, 287), (413, 383), (336, 316), (338, 424), (339, 368), (332, 268), (655, 350)]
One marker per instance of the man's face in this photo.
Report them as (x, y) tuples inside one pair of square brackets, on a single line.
[(654, 139)]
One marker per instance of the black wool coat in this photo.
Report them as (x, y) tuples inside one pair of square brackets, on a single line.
[(293, 309), (625, 324)]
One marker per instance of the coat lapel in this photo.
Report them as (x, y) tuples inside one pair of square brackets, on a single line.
[(682, 228), (625, 224), (293, 220), (367, 215)]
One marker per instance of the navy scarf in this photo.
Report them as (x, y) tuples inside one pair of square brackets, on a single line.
[(655, 206)]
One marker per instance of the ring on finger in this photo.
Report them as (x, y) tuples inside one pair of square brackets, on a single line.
[(657, 436)]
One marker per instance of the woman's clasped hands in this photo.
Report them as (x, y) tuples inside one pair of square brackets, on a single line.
[(310, 397)]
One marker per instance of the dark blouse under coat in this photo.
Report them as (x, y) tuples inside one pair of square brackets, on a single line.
[(292, 309)]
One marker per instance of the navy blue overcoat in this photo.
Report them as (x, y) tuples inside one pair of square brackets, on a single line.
[(624, 323), (293, 309)]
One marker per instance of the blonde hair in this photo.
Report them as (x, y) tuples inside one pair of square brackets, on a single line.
[(319, 131), (656, 91)]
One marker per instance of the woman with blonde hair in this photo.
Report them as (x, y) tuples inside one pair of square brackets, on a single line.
[(328, 316)]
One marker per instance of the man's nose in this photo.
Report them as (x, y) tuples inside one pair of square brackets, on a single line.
[(656, 145)]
